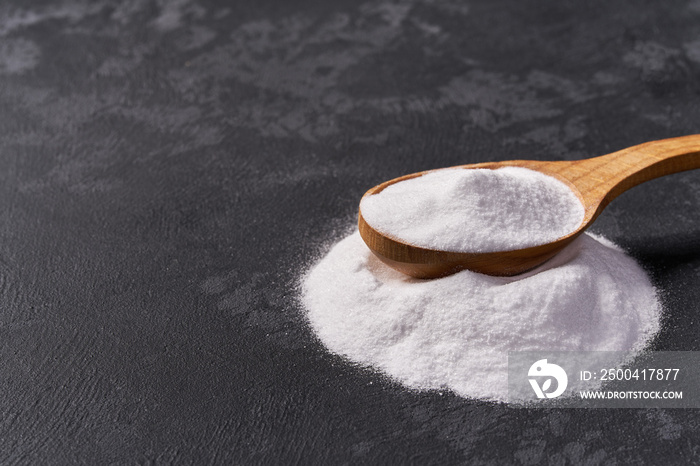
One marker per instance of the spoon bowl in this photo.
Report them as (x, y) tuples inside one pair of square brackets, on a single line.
[(595, 181)]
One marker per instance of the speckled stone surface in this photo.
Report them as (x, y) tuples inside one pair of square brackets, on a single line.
[(169, 168)]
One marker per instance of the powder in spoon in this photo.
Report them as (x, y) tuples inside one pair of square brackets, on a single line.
[(447, 209), (455, 332)]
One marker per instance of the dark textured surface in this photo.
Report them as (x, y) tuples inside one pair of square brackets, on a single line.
[(169, 168)]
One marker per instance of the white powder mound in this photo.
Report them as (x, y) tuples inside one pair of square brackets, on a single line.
[(447, 210), (455, 332)]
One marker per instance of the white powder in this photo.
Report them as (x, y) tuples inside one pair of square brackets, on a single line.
[(455, 332), (447, 210)]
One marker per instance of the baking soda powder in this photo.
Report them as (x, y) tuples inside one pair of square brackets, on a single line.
[(475, 210), (455, 332)]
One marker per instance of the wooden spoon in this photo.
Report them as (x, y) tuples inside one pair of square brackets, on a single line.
[(596, 182)]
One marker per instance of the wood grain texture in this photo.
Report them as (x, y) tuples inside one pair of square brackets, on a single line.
[(596, 181)]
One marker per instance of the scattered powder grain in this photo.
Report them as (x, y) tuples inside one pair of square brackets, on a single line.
[(447, 210), (455, 332)]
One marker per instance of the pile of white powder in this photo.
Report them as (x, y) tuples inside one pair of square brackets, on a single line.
[(455, 332), (475, 210)]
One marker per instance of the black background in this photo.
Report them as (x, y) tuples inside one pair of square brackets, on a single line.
[(168, 170)]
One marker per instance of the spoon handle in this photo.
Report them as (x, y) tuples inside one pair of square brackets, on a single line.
[(599, 180)]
